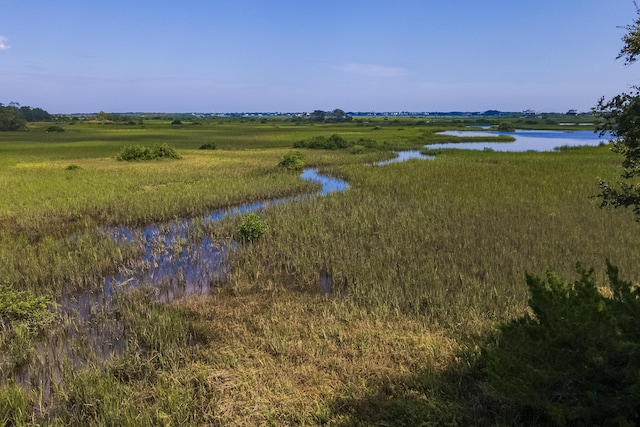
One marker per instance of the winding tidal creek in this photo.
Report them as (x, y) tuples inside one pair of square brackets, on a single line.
[(176, 260), (178, 267), (175, 264)]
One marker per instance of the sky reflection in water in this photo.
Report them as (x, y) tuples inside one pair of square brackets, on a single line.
[(526, 140), (177, 267)]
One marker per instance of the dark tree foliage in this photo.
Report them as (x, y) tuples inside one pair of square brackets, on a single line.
[(335, 116), (334, 142), (506, 127), (35, 114), (620, 116), (11, 119), (631, 40), (576, 359)]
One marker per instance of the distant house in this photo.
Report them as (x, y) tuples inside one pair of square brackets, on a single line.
[(572, 112)]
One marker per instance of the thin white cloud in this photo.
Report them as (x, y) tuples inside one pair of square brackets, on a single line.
[(3, 43), (374, 70)]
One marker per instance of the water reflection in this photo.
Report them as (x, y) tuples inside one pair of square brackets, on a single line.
[(176, 265), (403, 156), (525, 140), (329, 184)]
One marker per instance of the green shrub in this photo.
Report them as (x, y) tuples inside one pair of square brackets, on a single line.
[(134, 153), (164, 151), (334, 142), (23, 316), (55, 128), (357, 149), (506, 127), (208, 146), (292, 160), (576, 360), (73, 167), (140, 152), (23, 306), (252, 227), (11, 119)]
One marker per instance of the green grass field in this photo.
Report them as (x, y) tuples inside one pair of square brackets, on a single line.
[(426, 259)]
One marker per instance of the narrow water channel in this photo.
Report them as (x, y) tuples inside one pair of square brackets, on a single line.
[(177, 265)]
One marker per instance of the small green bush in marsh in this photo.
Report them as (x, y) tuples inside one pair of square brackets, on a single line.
[(141, 152), (55, 128), (208, 146), (23, 316), (135, 152), (337, 142), (334, 142), (252, 227), (165, 151), (293, 160), (576, 359), (506, 127), (23, 306)]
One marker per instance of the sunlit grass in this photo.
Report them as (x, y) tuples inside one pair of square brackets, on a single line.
[(448, 240), (425, 259)]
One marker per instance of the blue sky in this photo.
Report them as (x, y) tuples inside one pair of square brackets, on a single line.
[(285, 55)]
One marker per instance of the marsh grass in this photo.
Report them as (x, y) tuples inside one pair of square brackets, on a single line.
[(449, 240), (426, 258)]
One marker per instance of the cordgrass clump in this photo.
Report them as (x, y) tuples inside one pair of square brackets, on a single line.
[(13, 406), (140, 152)]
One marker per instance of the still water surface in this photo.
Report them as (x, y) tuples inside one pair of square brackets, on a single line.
[(525, 140)]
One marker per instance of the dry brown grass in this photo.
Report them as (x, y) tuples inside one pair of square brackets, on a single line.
[(287, 358)]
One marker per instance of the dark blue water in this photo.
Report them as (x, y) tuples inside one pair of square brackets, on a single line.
[(525, 140)]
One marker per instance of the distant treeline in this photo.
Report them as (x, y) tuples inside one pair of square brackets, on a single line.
[(14, 117)]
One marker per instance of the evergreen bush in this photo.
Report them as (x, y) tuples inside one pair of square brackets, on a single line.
[(576, 358), (140, 152), (252, 227)]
